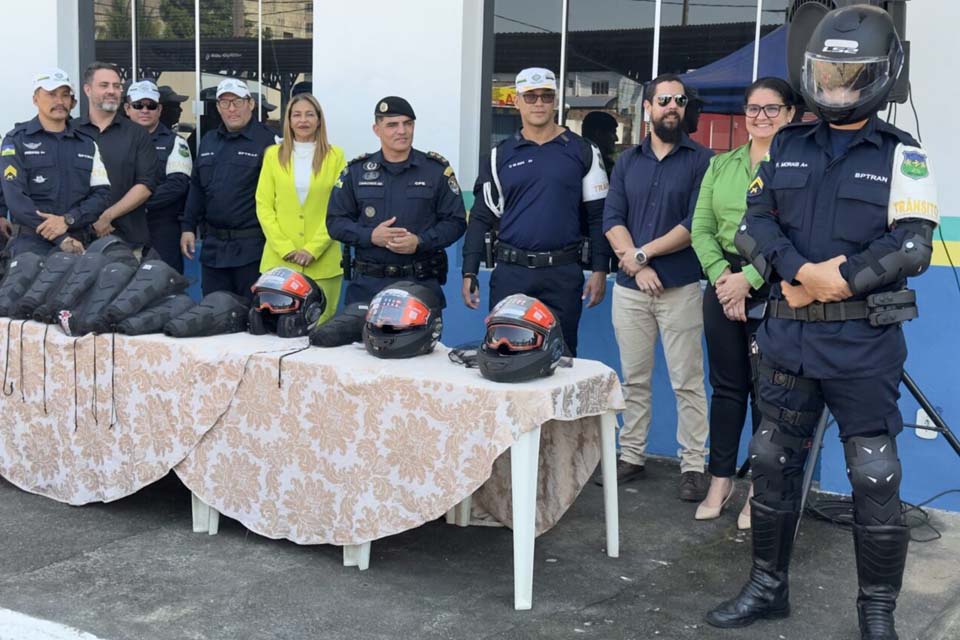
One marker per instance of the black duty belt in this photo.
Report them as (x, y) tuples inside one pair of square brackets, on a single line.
[(233, 234), (879, 309), (434, 267), (537, 259)]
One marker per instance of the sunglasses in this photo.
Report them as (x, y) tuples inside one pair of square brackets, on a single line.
[(771, 110), (236, 103), (546, 98), (664, 99), (139, 106)]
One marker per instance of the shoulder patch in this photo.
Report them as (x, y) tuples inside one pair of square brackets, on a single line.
[(8, 150), (756, 187), (433, 155), (359, 158), (10, 173)]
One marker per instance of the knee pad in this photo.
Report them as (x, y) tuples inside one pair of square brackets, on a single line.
[(776, 460), (874, 471)]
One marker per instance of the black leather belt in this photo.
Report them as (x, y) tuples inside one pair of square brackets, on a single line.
[(375, 270), (233, 234), (429, 268), (889, 307), (537, 259)]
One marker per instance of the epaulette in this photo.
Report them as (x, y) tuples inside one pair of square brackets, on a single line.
[(433, 155), (360, 158)]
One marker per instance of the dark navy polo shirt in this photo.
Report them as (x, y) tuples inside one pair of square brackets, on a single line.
[(650, 197)]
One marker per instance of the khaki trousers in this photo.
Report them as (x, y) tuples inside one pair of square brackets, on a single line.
[(677, 315)]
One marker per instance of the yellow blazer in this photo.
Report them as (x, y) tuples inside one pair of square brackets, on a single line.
[(288, 225)]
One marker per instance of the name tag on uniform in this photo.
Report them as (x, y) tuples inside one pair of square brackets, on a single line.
[(369, 183)]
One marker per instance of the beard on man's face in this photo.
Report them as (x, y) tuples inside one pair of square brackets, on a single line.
[(668, 129)]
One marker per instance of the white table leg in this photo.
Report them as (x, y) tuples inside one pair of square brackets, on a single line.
[(357, 555), (608, 466), (460, 513), (206, 519), (524, 461)]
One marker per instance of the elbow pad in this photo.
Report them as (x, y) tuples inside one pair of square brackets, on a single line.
[(748, 248), (911, 259)]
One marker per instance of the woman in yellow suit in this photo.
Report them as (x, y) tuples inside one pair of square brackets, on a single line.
[(295, 184)]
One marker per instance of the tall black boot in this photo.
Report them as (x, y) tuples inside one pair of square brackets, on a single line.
[(881, 556), (766, 594)]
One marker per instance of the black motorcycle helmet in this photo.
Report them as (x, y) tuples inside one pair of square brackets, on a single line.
[(285, 302), (851, 64), (404, 320), (523, 341)]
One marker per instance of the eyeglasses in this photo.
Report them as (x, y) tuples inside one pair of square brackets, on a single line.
[(236, 103), (664, 99), (546, 98), (139, 106), (771, 110)]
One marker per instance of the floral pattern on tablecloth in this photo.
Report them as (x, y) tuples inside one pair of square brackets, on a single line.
[(68, 434), (360, 449)]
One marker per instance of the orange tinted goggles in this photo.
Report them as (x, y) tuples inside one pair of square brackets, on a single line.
[(513, 337)]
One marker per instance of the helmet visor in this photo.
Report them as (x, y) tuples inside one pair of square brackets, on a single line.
[(512, 337), (275, 302), (398, 309), (844, 84)]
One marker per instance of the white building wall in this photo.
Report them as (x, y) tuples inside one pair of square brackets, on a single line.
[(427, 51), (35, 34), (932, 32)]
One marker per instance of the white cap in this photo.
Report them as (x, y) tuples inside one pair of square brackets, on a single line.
[(143, 90), (234, 86), (536, 78), (51, 79)]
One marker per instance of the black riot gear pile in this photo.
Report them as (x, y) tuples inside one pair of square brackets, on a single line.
[(285, 302), (523, 341), (404, 320), (851, 64)]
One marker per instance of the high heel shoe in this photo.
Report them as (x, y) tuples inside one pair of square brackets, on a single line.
[(710, 513), (743, 519)]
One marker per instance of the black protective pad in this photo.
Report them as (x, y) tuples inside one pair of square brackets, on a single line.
[(155, 279), (56, 268), (21, 272), (218, 313), (153, 318)]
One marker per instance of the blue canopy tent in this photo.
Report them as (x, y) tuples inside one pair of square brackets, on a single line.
[(721, 83)]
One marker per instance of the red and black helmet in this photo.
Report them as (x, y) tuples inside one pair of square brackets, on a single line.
[(404, 320), (523, 341), (285, 302)]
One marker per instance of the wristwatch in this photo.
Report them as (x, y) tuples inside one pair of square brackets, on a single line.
[(69, 219), (640, 257)]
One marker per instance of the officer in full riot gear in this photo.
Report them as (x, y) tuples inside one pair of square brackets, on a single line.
[(837, 220)]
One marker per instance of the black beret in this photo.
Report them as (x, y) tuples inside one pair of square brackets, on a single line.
[(394, 106)]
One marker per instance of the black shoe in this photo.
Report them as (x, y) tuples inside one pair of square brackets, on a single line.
[(694, 486), (767, 593), (626, 471), (881, 556)]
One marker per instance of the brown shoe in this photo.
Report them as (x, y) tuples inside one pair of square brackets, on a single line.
[(693, 486), (626, 471)]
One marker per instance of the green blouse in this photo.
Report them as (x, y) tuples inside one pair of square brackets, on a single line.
[(720, 208)]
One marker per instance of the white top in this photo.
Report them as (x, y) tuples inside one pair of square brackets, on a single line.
[(303, 167)]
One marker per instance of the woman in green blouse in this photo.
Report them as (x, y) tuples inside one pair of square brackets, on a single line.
[(736, 290)]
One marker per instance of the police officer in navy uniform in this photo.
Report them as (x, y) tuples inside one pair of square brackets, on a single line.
[(399, 208), (166, 203), (221, 203), (545, 187), (838, 218), (53, 180)]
